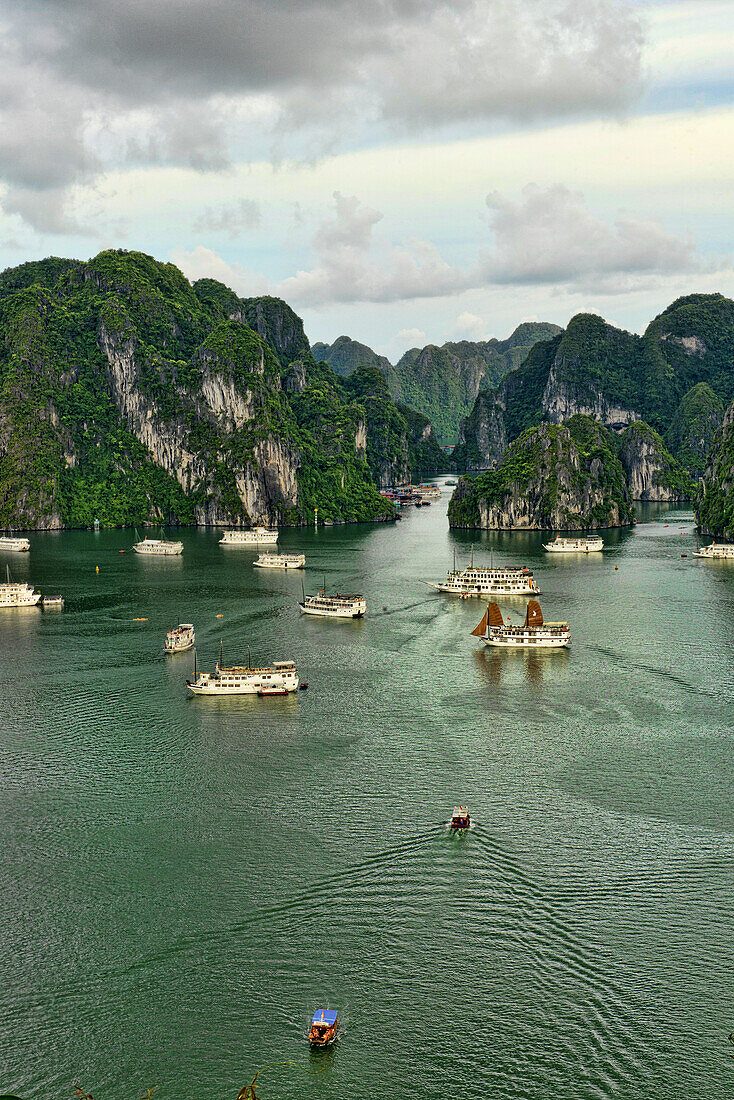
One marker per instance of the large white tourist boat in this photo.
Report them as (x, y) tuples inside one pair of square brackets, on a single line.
[(334, 607), (480, 580), (256, 536), (180, 639), (9, 542), (715, 550), (534, 632), (586, 545), (279, 679), (17, 593), (158, 547), (281, 561)]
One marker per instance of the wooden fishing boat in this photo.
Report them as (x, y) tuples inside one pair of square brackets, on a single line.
[(460, 818), (324, 1024)]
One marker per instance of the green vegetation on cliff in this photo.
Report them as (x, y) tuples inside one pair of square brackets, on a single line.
[(441, 382), (715, 499), (618, 377), (129, 396), (693, 427), (562, 477)]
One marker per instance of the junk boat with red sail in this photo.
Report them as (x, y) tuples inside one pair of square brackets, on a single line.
[(460, 818), (535, 632), (324, 1024)]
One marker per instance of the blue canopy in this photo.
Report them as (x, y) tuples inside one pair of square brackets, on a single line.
[(324, 1016)]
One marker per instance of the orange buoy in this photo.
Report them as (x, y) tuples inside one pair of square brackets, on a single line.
[(616, 567), (219, 616), (96, 569)]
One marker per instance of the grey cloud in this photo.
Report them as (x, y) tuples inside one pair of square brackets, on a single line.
[(550, 236), (327, 69), (232, 218)]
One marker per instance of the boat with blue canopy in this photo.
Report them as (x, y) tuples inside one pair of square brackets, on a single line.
[(322, 1032)]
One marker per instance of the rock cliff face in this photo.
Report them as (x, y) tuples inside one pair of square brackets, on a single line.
[(715, 499), (652, 472), (129, 396), (618, 378), (560, 477)]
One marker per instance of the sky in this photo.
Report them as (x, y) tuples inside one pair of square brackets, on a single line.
[(400, 171)]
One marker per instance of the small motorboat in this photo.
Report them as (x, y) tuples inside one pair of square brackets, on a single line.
[(322, 1032), (273, 689), (460, 818), (303, 685), (52, 603)]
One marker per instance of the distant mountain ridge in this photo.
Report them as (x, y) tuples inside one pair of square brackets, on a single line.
[(441, 382)]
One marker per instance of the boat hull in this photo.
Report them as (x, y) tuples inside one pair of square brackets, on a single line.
[(499, 642), (496, 590), (326, 613), (179, 648), (244, 689)]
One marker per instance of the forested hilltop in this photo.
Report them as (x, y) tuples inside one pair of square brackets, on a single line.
[(129, 395), (658, 401), (677, 377)]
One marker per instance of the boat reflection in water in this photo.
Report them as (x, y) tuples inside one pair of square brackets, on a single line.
[(513, 665)]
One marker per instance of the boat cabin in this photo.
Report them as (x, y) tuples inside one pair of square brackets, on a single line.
[(460, 818), (323, 1027)]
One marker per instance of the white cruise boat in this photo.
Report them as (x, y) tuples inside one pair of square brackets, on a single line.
[(584, 545), (256, 536), (715, 550), (158, 547), (281, 561), (479, 580), (279, 679), (334, 607), (180, 639), (9, 542), (17, 594), (534, 632)]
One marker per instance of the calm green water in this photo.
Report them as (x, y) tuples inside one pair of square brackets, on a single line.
[(185, 880)]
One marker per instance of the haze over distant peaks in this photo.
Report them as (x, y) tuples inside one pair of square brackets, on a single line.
[(441, 382)]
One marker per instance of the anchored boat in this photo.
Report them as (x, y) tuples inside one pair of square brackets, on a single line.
[(323, 1030), (534, 633), (587, 545), (158, 547), (257, 536), (17, 594), (180, 639), (9, 542), (281, 561)]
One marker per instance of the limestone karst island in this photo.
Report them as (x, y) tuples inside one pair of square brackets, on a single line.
[(366, 550)]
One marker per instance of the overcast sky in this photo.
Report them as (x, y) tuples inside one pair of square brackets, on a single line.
[(400, 171)]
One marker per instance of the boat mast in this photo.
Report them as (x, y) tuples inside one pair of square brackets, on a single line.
[(249, 659), (221, 656)]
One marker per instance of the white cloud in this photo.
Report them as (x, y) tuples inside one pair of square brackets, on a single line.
[(550, 236), (468, 326), (204, 263)]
